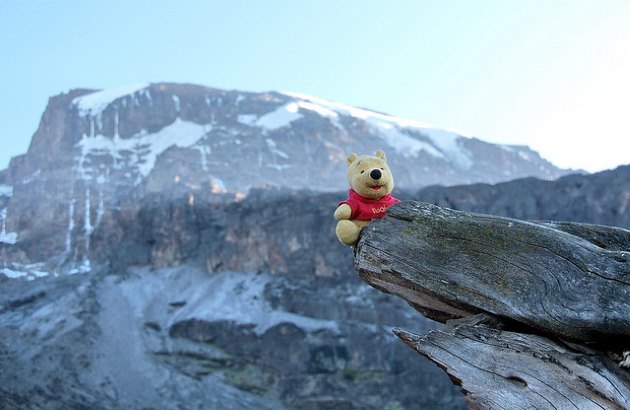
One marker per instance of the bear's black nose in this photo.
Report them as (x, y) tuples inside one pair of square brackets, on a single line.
[(375, 174)]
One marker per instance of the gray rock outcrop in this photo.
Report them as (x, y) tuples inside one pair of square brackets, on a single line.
[(601, 198), (213, 305)]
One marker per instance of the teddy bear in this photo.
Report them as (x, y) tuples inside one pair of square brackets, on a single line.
[(371, 184)]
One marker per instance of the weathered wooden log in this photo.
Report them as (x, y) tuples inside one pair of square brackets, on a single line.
[(552, 278), (506, 370), (606, 237), (504, 280)]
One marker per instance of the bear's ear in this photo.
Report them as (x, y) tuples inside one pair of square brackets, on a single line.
[(351, 158), (380, 154)]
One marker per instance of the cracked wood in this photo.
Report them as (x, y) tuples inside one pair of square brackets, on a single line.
[(561, 279), (499, 369)]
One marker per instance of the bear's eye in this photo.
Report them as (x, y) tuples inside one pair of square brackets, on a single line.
[(362, 171), (382, 169)]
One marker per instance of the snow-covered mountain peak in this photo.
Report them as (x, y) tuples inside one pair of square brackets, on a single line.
[(396, 132), (317, 103), (210, 133), (96, 102)]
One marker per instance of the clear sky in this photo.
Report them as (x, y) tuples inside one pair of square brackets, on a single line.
[(551, 74)]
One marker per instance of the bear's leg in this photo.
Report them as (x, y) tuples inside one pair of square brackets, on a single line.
[(348, 231)]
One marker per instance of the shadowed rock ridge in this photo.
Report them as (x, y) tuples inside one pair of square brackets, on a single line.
[(537, 313)]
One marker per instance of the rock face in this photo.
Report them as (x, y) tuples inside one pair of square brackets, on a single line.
[(94, 150), (550, 299), (210, 304), (142, 131), (248, 304), (176, 337), (602, 198)]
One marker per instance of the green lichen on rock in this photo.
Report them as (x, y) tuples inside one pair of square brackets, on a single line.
[(251, 378)]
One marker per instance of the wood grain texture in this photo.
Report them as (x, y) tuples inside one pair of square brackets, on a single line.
[(452, 264), (506, 370), (535, 312)]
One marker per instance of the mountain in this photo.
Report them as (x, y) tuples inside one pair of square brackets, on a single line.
[(172, 245), (240, 305), (601, 198), (248, 304), (141, 134), (94, 150)]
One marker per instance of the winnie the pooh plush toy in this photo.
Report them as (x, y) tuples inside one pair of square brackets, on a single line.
[(371, 184)]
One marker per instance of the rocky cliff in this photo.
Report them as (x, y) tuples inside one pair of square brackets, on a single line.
[(132, 133), (602, 198), (218, 305), (205, 291), (94, 150)]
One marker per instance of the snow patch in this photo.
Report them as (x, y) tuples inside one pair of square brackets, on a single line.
[(13, 274), (403, 143), (521, 151), (100, 211), (247, 119), (30, 178), (447, 142), (319, 109), (204, 151), (96, 102), (9, 238), (360, 113), (24, 271), (226, 296), (395, 131), (144, 146), (278, 167), (6, 190), (84, 267), (271, 144), (323, 111), (88, 228), (146, 94), (68, 239), (286, 114), (283, 116)]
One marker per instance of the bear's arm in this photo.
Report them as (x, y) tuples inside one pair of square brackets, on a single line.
[(343, 212)]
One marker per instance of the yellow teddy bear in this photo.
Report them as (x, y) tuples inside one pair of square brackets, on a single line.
[(371, 184)]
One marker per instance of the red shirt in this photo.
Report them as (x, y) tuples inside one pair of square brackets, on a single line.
[(364, 209)]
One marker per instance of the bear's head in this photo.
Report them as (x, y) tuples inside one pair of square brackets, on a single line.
[(369, 175)]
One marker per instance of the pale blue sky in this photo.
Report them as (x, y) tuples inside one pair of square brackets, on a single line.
[(551, 74)]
